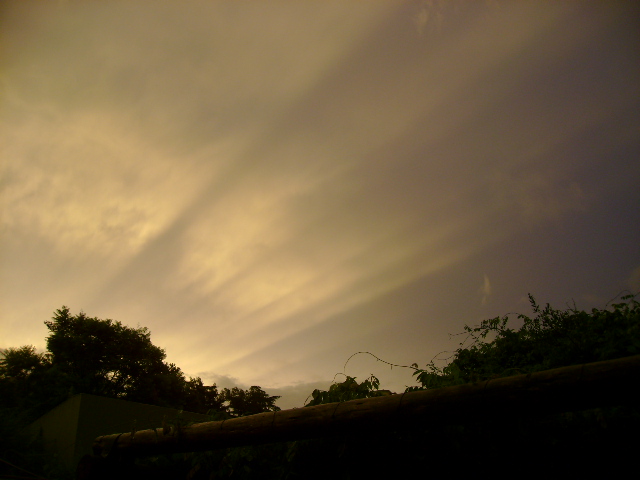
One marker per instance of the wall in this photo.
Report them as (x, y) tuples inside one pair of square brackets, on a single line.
[(69, 430)]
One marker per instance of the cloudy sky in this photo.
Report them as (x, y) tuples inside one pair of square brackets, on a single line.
[(271, 187)]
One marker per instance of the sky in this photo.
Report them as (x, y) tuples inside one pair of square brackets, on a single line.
[(272, 187)]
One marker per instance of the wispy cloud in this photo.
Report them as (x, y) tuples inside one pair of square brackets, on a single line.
[(257, 174), (485, 290)]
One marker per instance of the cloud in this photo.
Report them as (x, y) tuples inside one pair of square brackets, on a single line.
[(485, 290), (91, 187), (292, 396), (420, 19), (297, 394), (235, 178), (220, 380)]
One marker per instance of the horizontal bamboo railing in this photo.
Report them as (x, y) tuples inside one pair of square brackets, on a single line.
[(572, 388)]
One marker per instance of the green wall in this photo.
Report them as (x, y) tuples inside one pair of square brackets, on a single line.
[(69, 430)]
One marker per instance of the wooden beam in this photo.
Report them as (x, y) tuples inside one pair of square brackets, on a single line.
[(563, 389)]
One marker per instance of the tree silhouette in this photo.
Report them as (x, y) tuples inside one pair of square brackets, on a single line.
[(101, 357), (249, 402)]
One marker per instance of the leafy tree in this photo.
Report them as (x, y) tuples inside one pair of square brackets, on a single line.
[(249, 402), (102, 357), (203, 398), (28, 382), (551, 339), (21, 362)]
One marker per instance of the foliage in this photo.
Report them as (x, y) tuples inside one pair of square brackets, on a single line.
[(202, 398), (104, 357), (25, 378), (350, 389), (248, 402), (552, 338), (107, 358), (22, 362)]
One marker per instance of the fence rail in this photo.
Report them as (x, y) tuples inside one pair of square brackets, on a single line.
[(571, 388)]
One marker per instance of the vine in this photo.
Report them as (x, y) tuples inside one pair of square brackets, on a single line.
[(550, 339)]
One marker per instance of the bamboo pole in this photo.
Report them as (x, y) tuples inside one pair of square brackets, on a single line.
[(571, 388)]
